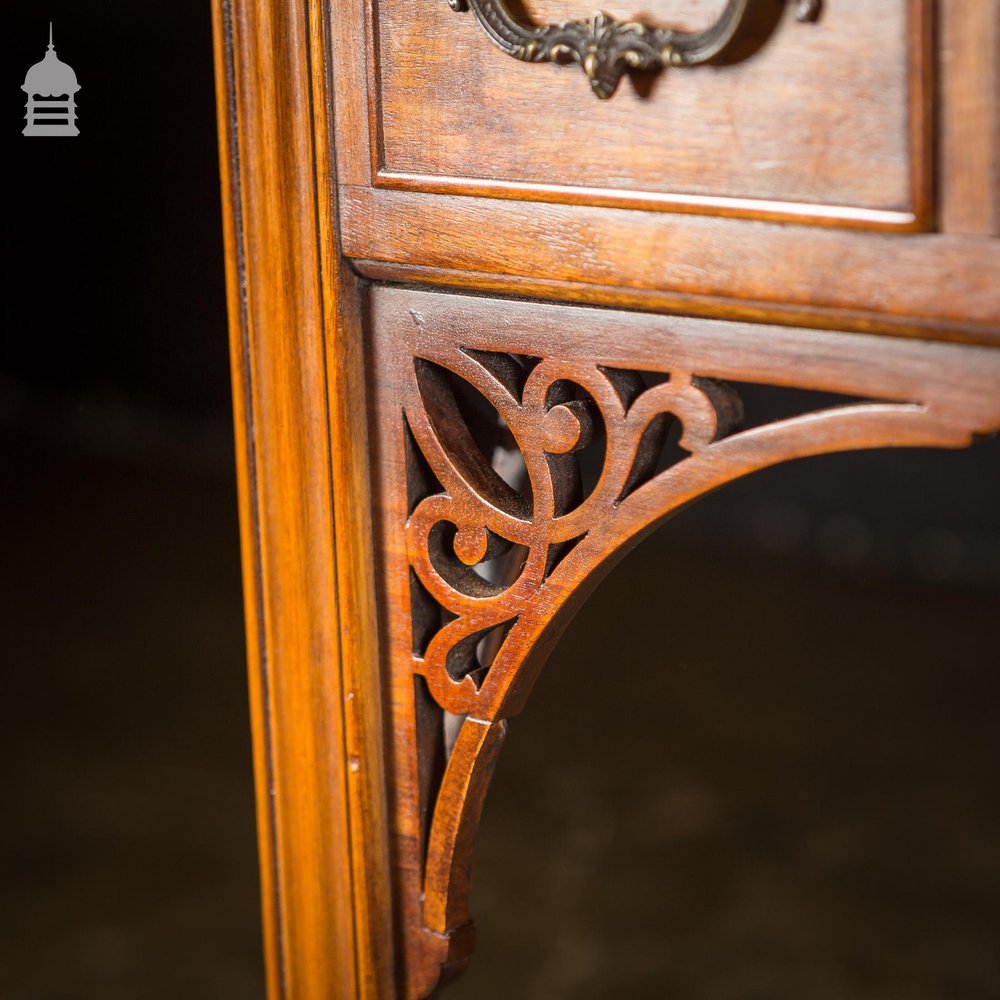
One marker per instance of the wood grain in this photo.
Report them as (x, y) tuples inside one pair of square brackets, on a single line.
[(948, 281), (314, 682), (970, 116), (401, 596), (679, 303), (808, 121)]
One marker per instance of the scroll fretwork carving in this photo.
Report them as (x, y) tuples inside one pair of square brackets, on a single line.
[(554, 409), (524, 455)]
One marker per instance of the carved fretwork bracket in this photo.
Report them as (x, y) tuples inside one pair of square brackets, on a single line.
[(554, 410), (523, 450)]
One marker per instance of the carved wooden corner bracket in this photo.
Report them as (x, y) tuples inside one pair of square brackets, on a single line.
[(526, 477), (605, 48)]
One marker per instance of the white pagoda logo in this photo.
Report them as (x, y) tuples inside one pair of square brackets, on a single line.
[(51, 88)]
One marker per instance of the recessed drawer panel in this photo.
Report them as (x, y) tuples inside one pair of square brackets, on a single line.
[(822, 120)]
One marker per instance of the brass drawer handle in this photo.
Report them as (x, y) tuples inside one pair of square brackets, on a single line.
[(606, 48)]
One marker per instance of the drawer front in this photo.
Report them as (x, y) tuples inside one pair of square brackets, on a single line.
[(823, 120)]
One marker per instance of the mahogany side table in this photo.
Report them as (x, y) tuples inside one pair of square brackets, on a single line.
[(476, 250)]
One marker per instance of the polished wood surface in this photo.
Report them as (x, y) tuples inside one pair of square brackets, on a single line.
[(681, 303), (969, 114), (550, 233), (819, 212), (740, 137), (923, 283), (303, 479)]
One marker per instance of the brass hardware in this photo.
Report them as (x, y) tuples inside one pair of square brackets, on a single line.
[(605, 48)]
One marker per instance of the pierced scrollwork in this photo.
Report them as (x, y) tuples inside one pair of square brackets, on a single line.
[(554, 411), (513, 482), (606, 48)]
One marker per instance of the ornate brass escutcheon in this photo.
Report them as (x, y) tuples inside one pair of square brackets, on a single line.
[(605, 48)]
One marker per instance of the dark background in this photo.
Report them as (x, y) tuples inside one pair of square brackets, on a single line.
[(778, 775), (128, 847)]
